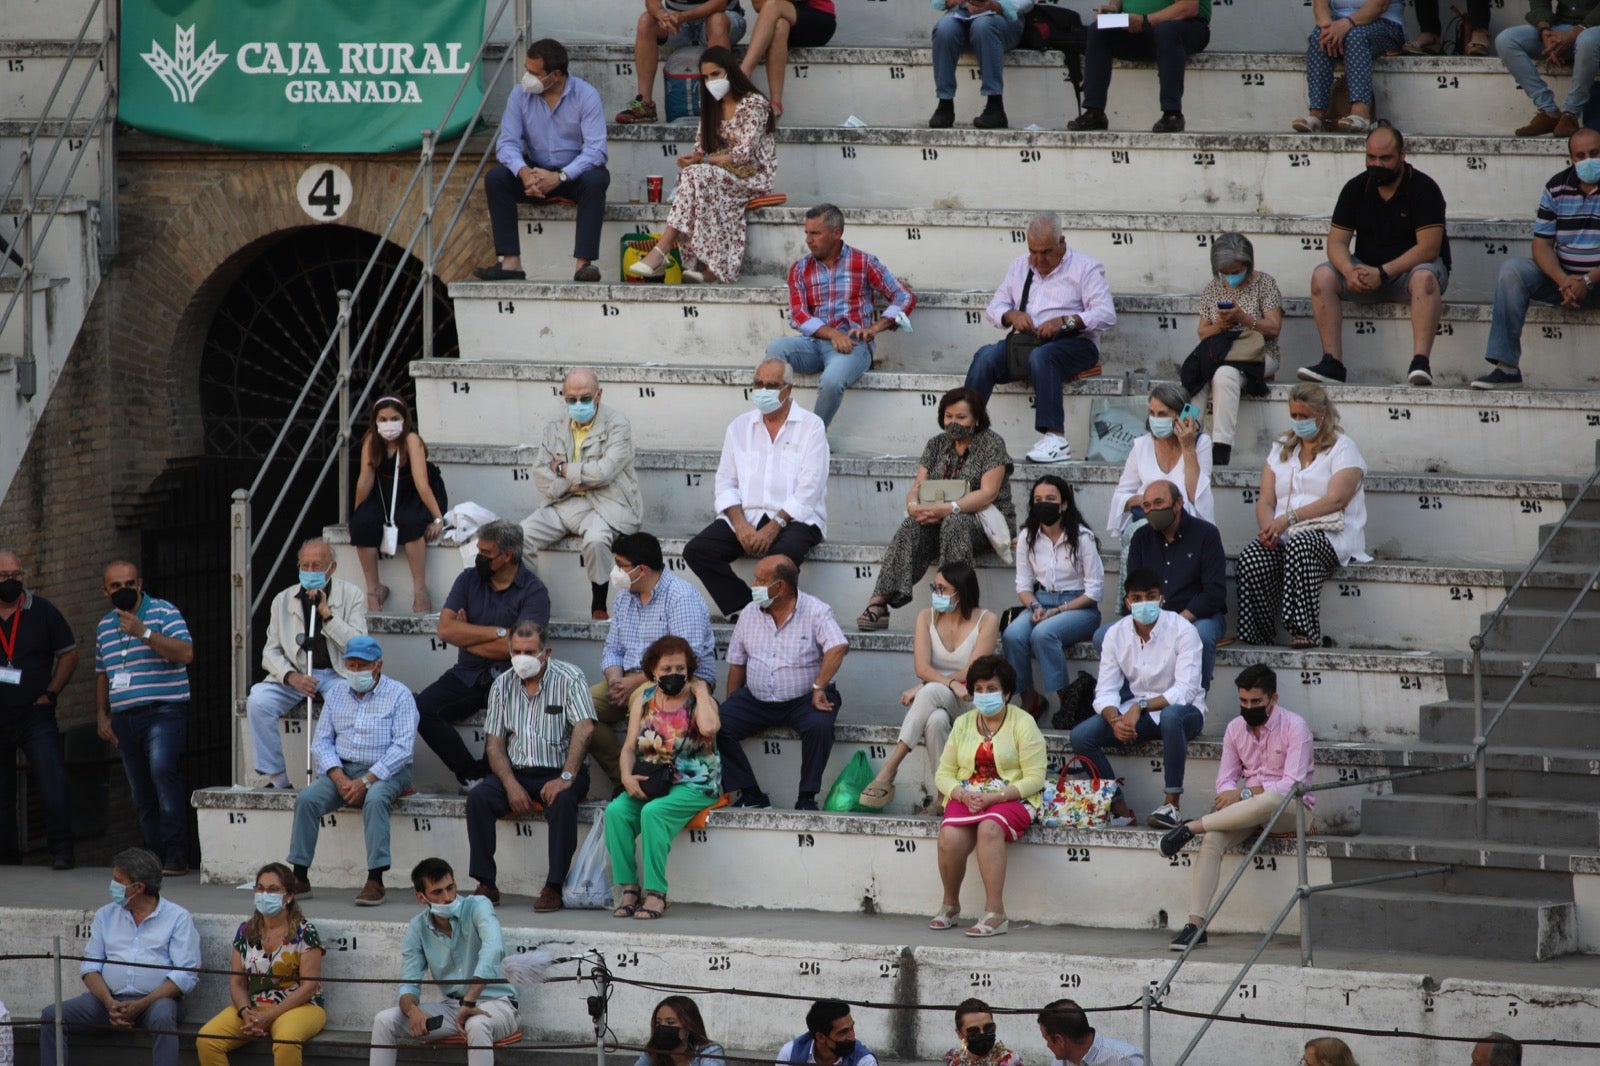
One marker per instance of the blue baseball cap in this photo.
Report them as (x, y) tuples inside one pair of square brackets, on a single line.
[(364, 648)]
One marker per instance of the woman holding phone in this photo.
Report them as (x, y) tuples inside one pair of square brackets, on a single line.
[(1242, 300)]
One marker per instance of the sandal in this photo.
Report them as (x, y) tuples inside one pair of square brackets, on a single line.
[(1478, 45), (1297, 642), (627, 909), (1307, 124), (1417, 46), (946, 918), (877, 796), (644, 269), (376, 600), (875, 617), (645, 913), (1354, 124), (993, 924)]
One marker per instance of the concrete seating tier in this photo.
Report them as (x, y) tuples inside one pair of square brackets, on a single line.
[(723, 325), (14, 137), (28, 71), (44, 20), (1145, 254), (1273, 174)]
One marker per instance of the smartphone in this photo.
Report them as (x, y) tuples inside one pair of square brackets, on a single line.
[(434, 1022), (1224, 305), (1189, 413)]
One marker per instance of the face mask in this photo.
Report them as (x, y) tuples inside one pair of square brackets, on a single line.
[(1588, 171), (527, 666), (845, 1048), (312, 580), (447, 910), (1235, 280), (989, 704), (760, 596), (269, 904), (672, 684), (582, 412), (363, 680), (718, 87), (1305, 429), (1161, 520), (1145, 612), (666, 1037), (119, 893), (10, 590), (959, 430), (484, 565), (391, 430), (981, 1044), (125, 599), (1160, 428), (1384, 175), (532, 85), (620, 581), (766, 400), (1046, 514), (943, 604), (1254, 717)]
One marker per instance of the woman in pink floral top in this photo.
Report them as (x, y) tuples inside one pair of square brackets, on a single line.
[(975, 1029), (735, 158)]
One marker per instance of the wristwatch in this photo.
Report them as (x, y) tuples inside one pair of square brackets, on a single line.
[(469, 1003), (562, 174), (566, 775), (1144, 706), (955, 506), (500, 633), (783, 523), (1245, 793), (145, 636)]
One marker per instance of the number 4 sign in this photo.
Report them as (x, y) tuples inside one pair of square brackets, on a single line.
[(324, 192)]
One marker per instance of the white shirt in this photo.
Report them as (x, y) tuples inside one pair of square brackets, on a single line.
[(1107, 1051), (1049, 564), (1296, 488), (765, 475), (1142, 468), (1168, 664), (1077, 286)]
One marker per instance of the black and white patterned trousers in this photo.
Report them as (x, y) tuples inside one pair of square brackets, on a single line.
[(1289, 576)]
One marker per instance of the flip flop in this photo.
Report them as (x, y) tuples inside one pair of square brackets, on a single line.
[(876, 797), (992, 925)]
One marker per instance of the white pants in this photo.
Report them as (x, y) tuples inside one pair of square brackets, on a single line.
[(498, 1021), (574, 515), (928, 719), (1225, 828), (1224, 394)]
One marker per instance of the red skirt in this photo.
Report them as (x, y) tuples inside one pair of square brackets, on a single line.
[(1013, 817)]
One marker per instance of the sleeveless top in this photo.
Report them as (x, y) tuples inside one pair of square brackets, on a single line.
[(665, 736), (954, 660)]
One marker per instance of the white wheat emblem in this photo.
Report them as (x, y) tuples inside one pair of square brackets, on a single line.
[(184, 74)]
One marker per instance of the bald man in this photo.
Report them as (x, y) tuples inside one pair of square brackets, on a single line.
[(584, 472)]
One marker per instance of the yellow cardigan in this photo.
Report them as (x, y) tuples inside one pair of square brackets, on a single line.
[(1019, 754)]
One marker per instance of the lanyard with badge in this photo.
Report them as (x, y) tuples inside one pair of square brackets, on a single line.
[(122, 680), (10, 674)]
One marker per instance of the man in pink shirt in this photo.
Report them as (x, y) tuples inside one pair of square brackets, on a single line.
[(1266, 751)]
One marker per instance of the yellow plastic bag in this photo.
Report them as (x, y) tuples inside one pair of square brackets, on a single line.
[(635, 246)]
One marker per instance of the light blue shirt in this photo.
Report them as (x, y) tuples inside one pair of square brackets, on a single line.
[(377, 730), (570, 136), (675, 607), (127, 954), (472, 952)]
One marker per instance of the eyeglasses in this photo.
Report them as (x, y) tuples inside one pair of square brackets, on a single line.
[(768, 384), (939, 591), (9, 575)]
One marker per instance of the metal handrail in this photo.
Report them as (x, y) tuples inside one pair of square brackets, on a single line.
[(50, 101)]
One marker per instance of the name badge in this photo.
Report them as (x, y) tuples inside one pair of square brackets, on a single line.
[(10, 675), (121, 681)]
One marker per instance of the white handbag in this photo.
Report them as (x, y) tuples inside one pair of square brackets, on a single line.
[(390, 544)]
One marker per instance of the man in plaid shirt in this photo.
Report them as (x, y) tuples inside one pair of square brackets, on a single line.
[(830, 303)]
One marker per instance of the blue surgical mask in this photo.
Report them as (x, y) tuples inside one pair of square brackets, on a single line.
[(766, 400), (269, 903), (989, 704), (1304, 428), (582, 412), (1160, 427), (313, 580), (363, 680), (1588, 171), (759, 596), (942, 603), (1235, 280), (448, 910), (119, 893), (1146, 612)]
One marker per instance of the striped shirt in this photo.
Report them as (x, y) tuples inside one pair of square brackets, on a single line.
[(377, 730), (781, 661), (675, 607), (841, 295), (151, 679), (540, 726), (1571, 221)]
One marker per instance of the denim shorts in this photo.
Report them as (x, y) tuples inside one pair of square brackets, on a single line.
[(693, 34), (1395, 290)]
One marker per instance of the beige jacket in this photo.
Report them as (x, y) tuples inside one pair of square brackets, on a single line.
[(283, 654), (605, 466)]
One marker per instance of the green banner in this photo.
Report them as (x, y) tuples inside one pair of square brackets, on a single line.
[(299, 75)]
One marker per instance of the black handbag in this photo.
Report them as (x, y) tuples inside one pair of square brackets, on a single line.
[(658, 779), (1020, 346)]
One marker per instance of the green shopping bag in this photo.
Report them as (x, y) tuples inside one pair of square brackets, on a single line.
[(845, 795)]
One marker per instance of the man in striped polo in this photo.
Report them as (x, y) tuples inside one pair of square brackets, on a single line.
[(142, 650)]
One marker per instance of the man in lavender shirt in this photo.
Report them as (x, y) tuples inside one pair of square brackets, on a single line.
[(552, 144), (1266, 751), (1060, 298)]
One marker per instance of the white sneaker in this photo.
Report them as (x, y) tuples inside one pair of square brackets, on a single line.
[(1050, 448), (1165, 816)]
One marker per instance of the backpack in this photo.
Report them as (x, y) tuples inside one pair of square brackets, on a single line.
[(1052, 27)]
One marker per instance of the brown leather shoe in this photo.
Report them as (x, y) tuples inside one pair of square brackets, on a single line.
[(301, 888), (490, 891), (549, 900), (1092, 118), (371, 894), (1567, 126), (1542, 124)]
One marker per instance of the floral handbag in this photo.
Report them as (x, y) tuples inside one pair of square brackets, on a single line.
[(1075, 803)]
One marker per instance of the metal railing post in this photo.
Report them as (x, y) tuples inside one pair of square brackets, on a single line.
[(344, 406), (521, 19), (1305, 881), (27, 357), (110, 240), (60, 1023), (239, 606), (430, 198), (1147, 1002), (1480, 769)]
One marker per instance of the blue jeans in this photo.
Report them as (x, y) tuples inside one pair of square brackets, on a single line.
[(33, 730), (1048, 366), (267, 703), (1177, 727), (1519, 284), (85, 1012), (1210, 629), (1520, 50), (989, 37), (150, 739), (321, 797), (1048, 640), (812, 355)]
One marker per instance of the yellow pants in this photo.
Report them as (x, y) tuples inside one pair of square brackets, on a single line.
[(226, 1031)]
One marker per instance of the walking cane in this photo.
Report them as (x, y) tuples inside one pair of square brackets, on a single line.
[(306, 642)]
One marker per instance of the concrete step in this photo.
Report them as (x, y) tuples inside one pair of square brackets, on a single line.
[(1481, 926), (28, 73), (1524, 821), (1576, 542), (729, 326), (1272, 174), (1450, 722), (1570, 678), (1527, 629), (1490, 867), (49, 19), (13, 139), (1516, 765)]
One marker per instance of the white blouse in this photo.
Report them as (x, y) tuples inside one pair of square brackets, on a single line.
[(1049, 564), (1297, 487), (1142, 468)]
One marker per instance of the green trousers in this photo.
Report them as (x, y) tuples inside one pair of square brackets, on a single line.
[(652, 826)]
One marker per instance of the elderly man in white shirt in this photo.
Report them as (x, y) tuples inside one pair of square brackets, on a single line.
[(769, 490), (1149, 688)]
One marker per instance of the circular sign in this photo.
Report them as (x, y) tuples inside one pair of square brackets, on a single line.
[(324, 192)]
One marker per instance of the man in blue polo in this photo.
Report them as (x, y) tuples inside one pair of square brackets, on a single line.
[(142, 651)]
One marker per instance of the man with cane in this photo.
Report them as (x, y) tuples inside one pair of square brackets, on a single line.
[(311, 623)]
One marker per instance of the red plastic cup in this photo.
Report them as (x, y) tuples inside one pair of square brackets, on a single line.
[(652, 184)]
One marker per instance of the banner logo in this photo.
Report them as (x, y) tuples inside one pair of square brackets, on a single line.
[(185, 73)]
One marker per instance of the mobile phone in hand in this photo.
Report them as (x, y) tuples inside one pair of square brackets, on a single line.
[(1189, 413), (1224, 305), (434, 1022)]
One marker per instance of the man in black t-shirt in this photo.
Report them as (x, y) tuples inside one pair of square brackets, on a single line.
[(1396, 215), (38, 654)]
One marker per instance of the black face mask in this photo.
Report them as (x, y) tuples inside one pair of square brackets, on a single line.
[(125, 599), (665, 1037), (484, 565), (11, 590), (1046, 514), (844, 1048), (1254, 717), (672, 684), (1384, 175), (981, 1044)]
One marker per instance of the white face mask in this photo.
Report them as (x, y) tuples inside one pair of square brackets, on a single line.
[(532, 85), (527, 666), (620, 581), (391, 430), (718, 87)]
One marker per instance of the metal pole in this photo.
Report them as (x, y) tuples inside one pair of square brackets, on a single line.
[(311, 709), (1305, 908), (239, 595), (60, 1023), (344, 407), (109, 216), (521, 17), (1147, 1002), (1480, 771), (28, 206), (430, 198)]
